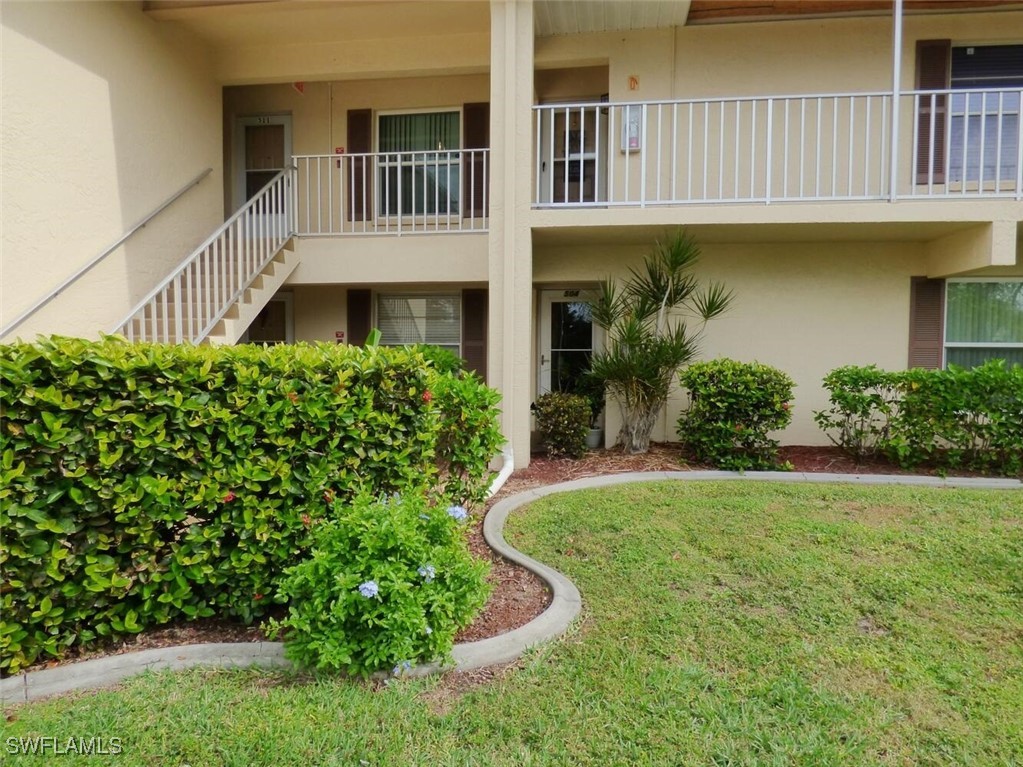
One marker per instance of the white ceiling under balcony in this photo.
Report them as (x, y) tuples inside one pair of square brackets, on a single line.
[(569, 17), (234, 23)]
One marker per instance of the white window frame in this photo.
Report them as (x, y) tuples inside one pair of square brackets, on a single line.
[(382, 165), (946, 344), (456, 296)]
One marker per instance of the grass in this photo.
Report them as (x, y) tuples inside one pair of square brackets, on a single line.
[(723, 624)]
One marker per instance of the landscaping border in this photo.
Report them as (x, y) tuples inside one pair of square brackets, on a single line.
[(554, 621)]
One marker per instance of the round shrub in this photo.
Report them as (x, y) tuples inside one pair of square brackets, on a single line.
[(733, 407), (388, 583), (563, 420)]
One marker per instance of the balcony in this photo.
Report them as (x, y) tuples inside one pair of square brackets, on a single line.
[(395, 193), (780, 149)]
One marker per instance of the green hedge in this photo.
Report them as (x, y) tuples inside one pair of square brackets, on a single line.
[(952, 419), (733, 406), (145, 483)]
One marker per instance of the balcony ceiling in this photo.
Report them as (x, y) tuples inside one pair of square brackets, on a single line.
[(733, 11), (569, 17), (241, 23)]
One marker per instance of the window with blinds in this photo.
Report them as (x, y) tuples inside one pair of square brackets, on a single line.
[(420, 163), (984, 118), (420, 319), (983, 320)]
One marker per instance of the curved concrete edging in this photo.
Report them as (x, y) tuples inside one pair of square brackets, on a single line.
[(554, 621), (504, 648)]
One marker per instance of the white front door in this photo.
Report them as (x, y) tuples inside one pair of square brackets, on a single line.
[(567, 338), (262, 149)]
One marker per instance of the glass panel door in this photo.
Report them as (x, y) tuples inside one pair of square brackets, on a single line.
[(567, 336)]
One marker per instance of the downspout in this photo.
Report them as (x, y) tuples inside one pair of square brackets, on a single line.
[(507, 467), (893, 173)]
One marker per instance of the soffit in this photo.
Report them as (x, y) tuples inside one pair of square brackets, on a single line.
[(570, 17), (735, 11), (264, 22)]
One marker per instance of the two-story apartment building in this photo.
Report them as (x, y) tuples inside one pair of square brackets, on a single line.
[(463, 172)]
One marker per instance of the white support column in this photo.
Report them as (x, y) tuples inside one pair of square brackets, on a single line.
[(511, 251), (893, 170)]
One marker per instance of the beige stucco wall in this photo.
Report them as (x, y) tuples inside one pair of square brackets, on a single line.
[(805, 308), (362, 40), (767, 58), (105, 114), (430, 258)]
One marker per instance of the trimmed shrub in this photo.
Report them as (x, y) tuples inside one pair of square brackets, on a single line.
[(443, 360), (961, 418), (469, 429), (952, 419), (563, 420), (733, 406), (389, 582), (145, 483), (863, 401)]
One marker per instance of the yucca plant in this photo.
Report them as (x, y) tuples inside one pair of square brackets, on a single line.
[(654, 322)]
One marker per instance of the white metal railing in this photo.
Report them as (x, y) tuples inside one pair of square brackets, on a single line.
[(767, 149), (188, 304), (395, 193), (978, 144)]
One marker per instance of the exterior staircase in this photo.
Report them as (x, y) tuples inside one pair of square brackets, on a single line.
[(215, 293)]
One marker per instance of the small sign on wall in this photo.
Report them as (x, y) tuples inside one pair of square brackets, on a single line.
[(632, 127), (339, 336)]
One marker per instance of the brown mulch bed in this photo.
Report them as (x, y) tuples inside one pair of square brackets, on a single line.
[(518, 595)]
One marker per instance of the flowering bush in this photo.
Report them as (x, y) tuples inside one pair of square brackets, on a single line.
[(733, 406), (388, 583)]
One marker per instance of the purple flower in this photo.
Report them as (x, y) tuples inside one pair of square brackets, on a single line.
[(369, 589), (427, 573), (458, 513), (402, 667)]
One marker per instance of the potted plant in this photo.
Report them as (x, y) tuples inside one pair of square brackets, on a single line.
[(591, 387)]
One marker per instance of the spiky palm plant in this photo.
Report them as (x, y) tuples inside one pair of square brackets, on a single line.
[(650, 335)]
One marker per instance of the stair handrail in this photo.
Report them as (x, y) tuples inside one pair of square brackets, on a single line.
[(217, 233), (106, 252)]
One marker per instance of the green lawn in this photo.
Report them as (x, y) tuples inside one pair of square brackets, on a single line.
[(723, 624)]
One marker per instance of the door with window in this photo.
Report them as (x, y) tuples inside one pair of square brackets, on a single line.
[(419, 164), (968, 126), (573, 154), (274, 324), (262, 149), (568, 337)]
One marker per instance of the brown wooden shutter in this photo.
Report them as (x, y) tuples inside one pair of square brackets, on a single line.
[(476, 176), (358, 188), (932, 73), (360, 315), (474, 331), (926, 322)]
